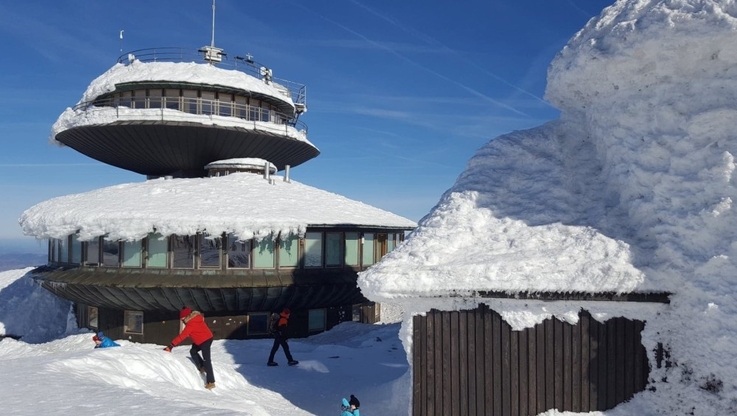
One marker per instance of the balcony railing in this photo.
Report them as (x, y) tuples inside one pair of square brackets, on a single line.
[(246, 64), (194, 105)]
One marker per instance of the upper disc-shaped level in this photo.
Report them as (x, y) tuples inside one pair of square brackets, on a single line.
[(173, 118)]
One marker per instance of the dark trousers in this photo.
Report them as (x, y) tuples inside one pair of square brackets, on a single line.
[(204, 361), (280, 340)]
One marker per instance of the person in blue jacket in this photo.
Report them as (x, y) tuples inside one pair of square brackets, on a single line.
[(102, 341), (350, 407)]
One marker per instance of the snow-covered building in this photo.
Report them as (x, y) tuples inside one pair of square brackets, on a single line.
[(567, 259), (212, 227)]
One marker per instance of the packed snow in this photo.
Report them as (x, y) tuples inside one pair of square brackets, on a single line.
[(54, 369), (631, 190)]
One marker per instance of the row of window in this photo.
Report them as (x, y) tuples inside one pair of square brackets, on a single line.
[(315, 250), (256, 322), (197, 102)]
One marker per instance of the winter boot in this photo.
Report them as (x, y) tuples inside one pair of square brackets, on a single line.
[(210, 386), (272, 363), (293, 362)]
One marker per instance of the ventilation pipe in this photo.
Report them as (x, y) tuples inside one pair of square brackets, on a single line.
[(266, 171), (286, 173)]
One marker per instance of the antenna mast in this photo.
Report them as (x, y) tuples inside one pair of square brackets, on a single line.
[(212, 54), (212, 43)]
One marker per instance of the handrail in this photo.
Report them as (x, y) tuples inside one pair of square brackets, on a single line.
[(199, 106), (297, 92)]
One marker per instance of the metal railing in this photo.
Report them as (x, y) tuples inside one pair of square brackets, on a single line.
[(194, 105), (297, 92)]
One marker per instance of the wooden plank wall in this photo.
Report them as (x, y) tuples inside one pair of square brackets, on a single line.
[(472, 363)]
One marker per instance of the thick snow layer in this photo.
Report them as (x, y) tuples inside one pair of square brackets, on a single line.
[(244, 204), (632, 189)]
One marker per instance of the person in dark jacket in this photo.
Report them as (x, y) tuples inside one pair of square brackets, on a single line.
[(278, 328), (102, 341), (196, 328)]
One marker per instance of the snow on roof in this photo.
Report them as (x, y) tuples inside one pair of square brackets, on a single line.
[(191, 72), (245, 204)]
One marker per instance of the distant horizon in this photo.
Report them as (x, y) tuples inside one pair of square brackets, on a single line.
[(22, 245)]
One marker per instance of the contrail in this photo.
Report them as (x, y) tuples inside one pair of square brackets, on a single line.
[(432, 41), (404, 58)]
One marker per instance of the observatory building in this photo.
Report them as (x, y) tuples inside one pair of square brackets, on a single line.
[(214, 227)]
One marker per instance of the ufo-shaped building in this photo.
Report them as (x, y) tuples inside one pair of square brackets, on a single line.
[(212, 227)]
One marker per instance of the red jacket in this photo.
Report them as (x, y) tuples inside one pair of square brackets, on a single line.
[(194, 327)]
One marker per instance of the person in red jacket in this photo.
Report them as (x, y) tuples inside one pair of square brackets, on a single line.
[(196, 328)]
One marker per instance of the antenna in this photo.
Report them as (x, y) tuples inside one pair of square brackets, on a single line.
[(121, 41), (212, 54), (212, 43)]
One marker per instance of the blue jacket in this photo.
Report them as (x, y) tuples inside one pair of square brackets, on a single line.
[(106, 342), (346, 409)]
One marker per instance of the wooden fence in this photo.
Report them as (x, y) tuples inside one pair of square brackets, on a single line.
[(472, 363)]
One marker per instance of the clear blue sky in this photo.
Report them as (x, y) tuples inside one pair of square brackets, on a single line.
[(400, 94)]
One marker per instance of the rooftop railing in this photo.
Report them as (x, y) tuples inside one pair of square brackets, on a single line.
[(297, 92)]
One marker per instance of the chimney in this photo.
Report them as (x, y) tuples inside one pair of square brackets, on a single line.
[(286, 173), (266, 171)]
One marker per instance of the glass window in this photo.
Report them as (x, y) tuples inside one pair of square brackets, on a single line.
[(263, 253), (258, 323), (92, 321), (239, 253), (138, 99), (110, 253), (64, 250), (391, 243), (208, 103), (132, 253), (172, 99), (76, 249), (241, 109), (52, 250), (157, 249), (253, 111), (225, 104), (92, 254), (351, 249), (125, 99), (316, 320), (313, 250), (182, 251), (332, 249), (190, 101), (133, 322), (368, 249), (264, 114), (289, 251), (154, 98), (209, 251)]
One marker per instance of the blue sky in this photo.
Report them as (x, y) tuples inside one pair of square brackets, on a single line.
[(400, 94)]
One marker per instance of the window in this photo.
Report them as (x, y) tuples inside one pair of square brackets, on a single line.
[(182, 251), (172, 99), (209, 251), (391, 243), (289, 251), (64, 250), (157, 249), (253, 111), (92, 321), (209, 105), (52, 250), (138, 99), (154, 98), (258, 323), (241, 107), (239, 253), (316, 320), (225, 103), (351, 249), (332, 249), (133, 322), (76, 249), (313, 250), (110, 253), (132, 253), (264, 114), (125, 99), (368, 249), (263, 253), (190, 101), (92, 252)]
